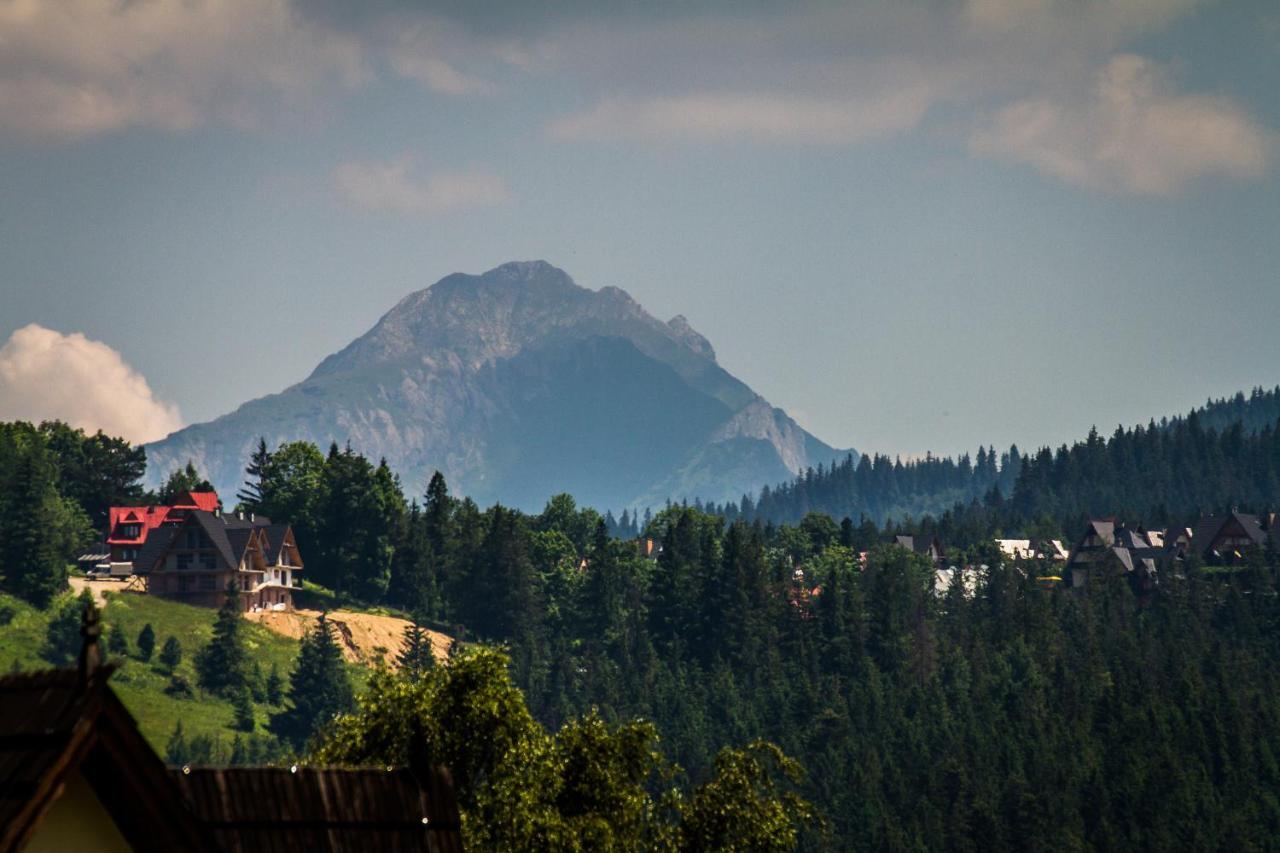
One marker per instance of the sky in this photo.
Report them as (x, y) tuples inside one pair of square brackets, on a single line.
[(916, 226)]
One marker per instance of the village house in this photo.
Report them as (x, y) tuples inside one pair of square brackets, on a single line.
[(76, 774), (1223, 539), (195, 561), (1215, 540), (128, 528), (925, 546), (1107, 542), (1033, 549)]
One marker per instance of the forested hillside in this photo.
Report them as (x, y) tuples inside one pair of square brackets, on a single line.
[(1002, 714), (1218, 456)]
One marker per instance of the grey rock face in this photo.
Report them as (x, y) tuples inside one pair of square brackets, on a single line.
[(518, 384)]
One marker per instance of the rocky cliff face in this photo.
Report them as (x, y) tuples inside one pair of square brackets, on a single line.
[(518, 384)]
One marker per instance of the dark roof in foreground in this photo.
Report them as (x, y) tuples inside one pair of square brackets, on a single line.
[(55, 724), (306, 808)]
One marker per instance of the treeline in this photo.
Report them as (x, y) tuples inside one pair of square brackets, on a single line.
[(53, 483), (879, 488), (1173, 471)]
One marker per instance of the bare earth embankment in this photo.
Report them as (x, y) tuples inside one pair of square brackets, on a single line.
[(360, 635)]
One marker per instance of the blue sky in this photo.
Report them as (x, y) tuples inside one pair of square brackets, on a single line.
[(915, 226)]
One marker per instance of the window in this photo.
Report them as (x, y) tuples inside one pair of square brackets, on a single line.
[(209, 561), (193, 539), (184, 584), (208, 583), (184, 562)]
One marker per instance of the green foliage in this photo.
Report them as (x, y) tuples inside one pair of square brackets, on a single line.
[(242, 707), (183, 480), (743, 806), (589, 786), (62, 638), (146, 643), (274, 686), (222, 666), (319, 688), (117, 642), (171, 653), (179, 687), (415, 654), (176, 751), (41, 530)]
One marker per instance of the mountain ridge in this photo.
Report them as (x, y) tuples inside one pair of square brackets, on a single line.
[(468, 376)]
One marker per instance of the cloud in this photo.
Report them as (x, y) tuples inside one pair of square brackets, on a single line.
[(392, 186), (1130, 131), (770, 117), (75, 68), (46, 375)]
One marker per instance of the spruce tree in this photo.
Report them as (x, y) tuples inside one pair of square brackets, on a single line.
[(415, 655), (176, 751), (242, 706), (275, 687), (223, 665), (146, 642), (319, 688), (171, 653), (117, 642)]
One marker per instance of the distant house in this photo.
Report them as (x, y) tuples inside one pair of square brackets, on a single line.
[(1223, 539), (1107, 543), (195, 561), (76, 774), (925, 546), (1033, 549)]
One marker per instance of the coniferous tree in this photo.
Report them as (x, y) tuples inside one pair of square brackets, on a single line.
[(176, 751), (242, 707), (222, 666), (171, 653), (275, 687), (146, 643), (319, 688), (117, 642), (415, 653)]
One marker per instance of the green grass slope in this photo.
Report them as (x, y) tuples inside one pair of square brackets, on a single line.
[(141, 685)]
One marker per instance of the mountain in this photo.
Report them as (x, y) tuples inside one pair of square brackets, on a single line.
[(518, 384)]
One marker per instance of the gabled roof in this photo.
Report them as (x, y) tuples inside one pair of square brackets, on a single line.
[(1210, 527), (156, 546), (218, 534), (205, 501), (276, 534), (306, 808), (59, 723)]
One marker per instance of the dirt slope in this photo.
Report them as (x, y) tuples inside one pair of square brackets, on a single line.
[(359, 634)]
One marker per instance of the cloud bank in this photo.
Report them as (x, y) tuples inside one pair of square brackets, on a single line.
[(394, 186), (46, 375), (1130, 132)]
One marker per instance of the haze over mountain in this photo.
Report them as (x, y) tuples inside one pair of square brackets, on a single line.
[(519, 384)]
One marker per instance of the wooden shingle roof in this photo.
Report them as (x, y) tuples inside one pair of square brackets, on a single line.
[(251, 809)]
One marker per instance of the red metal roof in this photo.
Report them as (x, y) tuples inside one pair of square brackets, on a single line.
[(148, 518)]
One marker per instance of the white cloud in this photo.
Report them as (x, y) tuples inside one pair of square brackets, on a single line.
[(767, 117), (46, 375), (1129, 132), (393, 186), (74, 68)]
